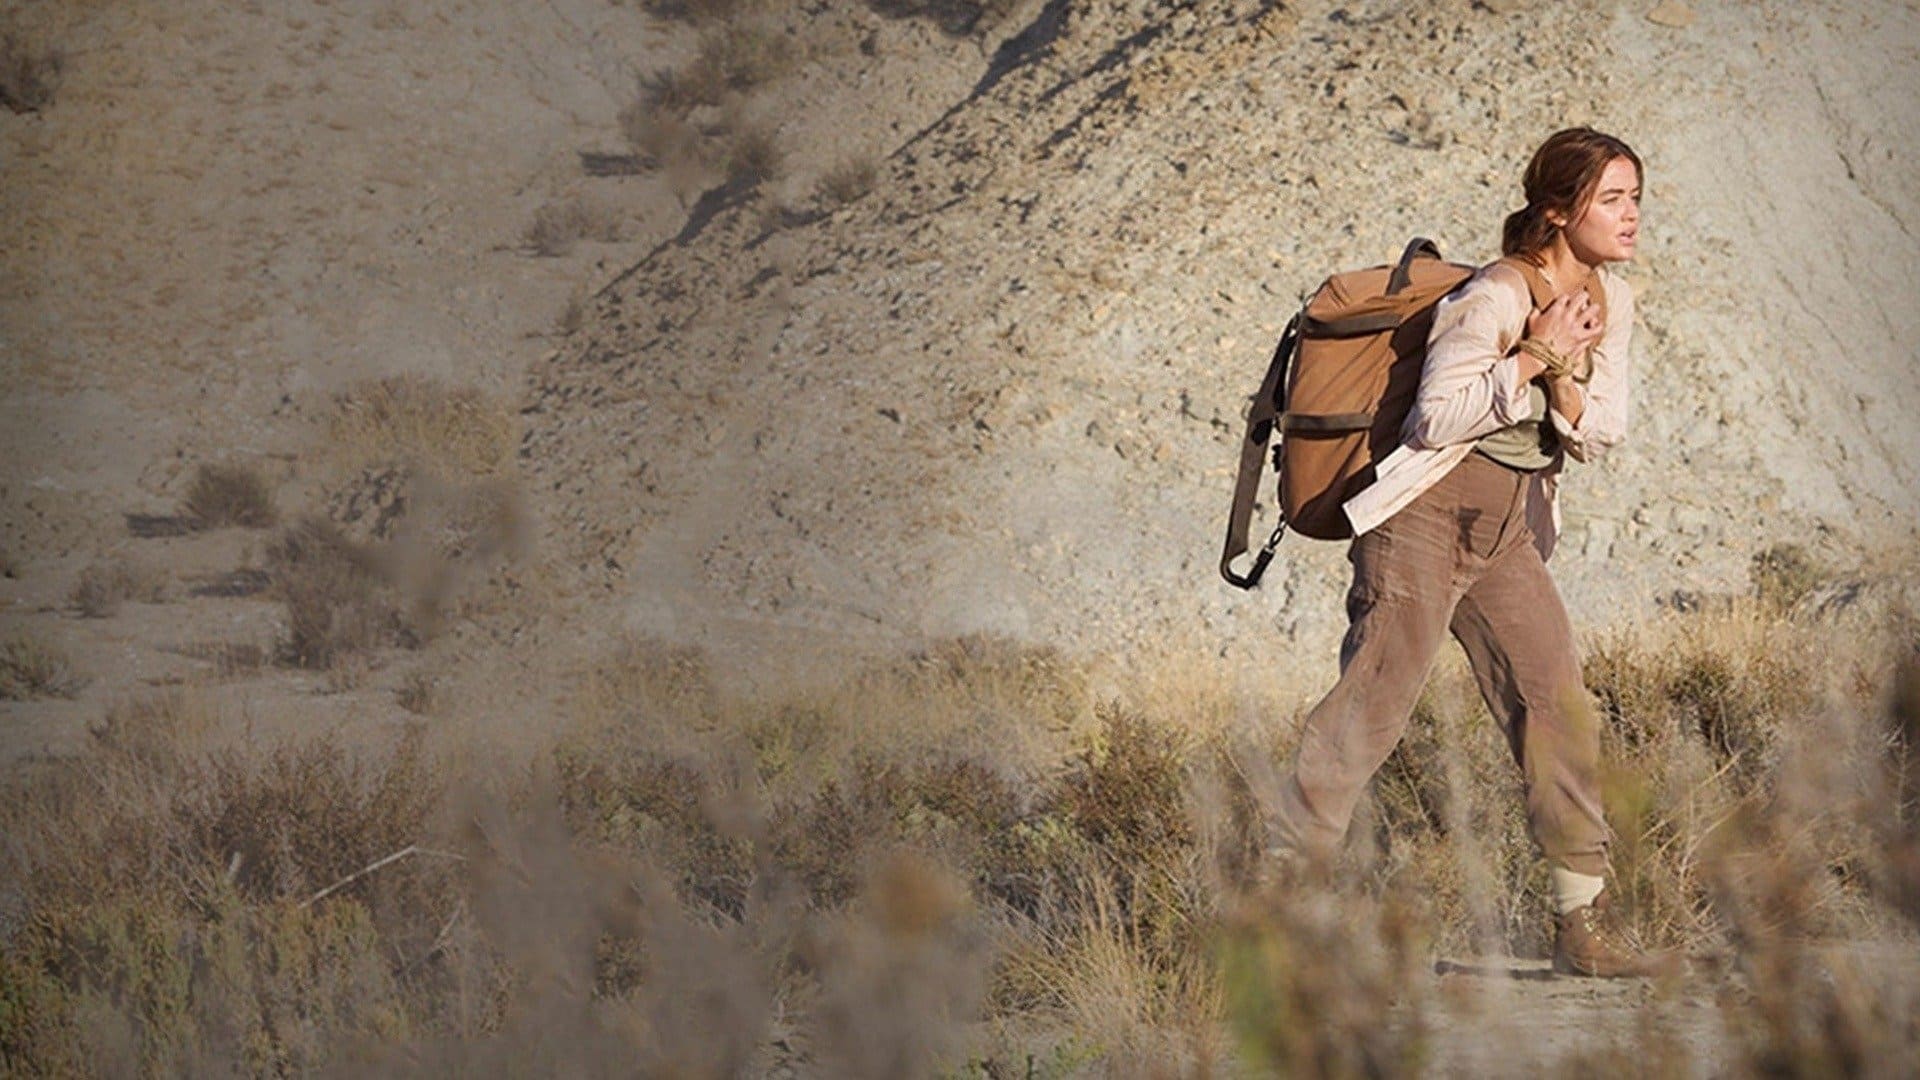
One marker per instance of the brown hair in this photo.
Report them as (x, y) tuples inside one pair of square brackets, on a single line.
[(1561, 176)]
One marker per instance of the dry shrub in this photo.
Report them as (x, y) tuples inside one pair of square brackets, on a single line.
[(166, 919), (224, 495), (730, 61), (1133, 1006), (413, 420), (661, 137), (156, 732), (1900, 825), (337, 601), (673, 813), (753, 156), (1318, 983), (1815, 997), (1784, 574), (1731, 683), (900, 976), (106, 584), (1127, 793), (558, 226), (31, 668), (806, 881), (29, 75), (848, 181)]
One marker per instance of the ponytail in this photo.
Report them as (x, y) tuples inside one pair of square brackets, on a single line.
[(1526, 232)]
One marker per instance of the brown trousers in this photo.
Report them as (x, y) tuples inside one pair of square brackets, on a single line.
[(1460, 557)]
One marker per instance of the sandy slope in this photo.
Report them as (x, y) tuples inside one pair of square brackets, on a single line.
[(1002, 392)]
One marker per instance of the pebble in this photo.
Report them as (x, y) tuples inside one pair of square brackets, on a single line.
[(1671, 13)]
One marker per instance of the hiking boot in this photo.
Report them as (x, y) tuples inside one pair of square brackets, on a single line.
[(1589, 941)]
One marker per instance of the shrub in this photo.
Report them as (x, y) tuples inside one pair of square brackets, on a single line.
[(229, 495), (848, 181), (753, 157), (406, 420), (663, 138), (337, 602), (155, 732), (1783, 574), (104, 585), (30, 668), (557, 226)]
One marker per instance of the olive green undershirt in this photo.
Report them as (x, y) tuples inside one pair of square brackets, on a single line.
[(1529, 444)]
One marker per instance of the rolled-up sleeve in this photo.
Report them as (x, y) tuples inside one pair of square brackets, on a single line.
[(1603, 422), (1469, 385)]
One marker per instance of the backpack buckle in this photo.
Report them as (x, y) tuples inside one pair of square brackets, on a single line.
[(1260, 560)]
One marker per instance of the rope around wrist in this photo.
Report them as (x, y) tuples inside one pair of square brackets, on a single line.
[(1557, 364)]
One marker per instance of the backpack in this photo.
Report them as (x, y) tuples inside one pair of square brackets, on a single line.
[(1339, 388), (1340, 385)]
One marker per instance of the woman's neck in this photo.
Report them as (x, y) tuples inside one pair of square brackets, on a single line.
[(1564, 270)]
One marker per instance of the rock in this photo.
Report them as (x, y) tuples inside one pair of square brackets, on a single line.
[(1671, 13)]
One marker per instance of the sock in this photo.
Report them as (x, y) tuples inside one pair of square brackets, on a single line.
[(1572, 891)]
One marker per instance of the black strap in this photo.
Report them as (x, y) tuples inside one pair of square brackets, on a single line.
[(1264, 415), (1322, 422), (1402, 275)]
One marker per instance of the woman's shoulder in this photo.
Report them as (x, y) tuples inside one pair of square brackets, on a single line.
[(1619, 294), (1617, 287), (1496, 283)]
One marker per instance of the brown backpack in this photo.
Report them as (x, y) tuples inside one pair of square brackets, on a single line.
[(1339, 388)]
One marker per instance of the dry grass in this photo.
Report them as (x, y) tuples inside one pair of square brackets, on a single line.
[(31, 668), (338, 603), (848, 181), (406, 420), (557, 226), (105, 584), (223, 495), (731, 61), (753, 156), (961, 863)]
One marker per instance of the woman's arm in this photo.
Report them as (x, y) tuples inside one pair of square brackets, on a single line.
[(1471, 384)]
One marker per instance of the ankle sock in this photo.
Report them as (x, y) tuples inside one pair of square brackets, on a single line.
[(1572, 891)]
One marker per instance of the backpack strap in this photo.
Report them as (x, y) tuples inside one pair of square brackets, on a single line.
[(1542, 294), (1268, 405)]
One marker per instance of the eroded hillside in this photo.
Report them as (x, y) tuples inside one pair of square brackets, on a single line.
[(1001, 391)]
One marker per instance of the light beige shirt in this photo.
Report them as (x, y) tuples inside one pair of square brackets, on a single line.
[(1471, 386)]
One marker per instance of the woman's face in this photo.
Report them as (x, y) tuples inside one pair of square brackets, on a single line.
[(1607, 227)]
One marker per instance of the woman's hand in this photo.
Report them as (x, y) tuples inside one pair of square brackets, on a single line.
[(1569, 326)]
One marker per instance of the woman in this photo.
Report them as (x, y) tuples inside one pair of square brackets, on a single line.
[(1527, 363)]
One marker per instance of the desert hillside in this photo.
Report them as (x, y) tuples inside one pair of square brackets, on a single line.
[(1002, 391)]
